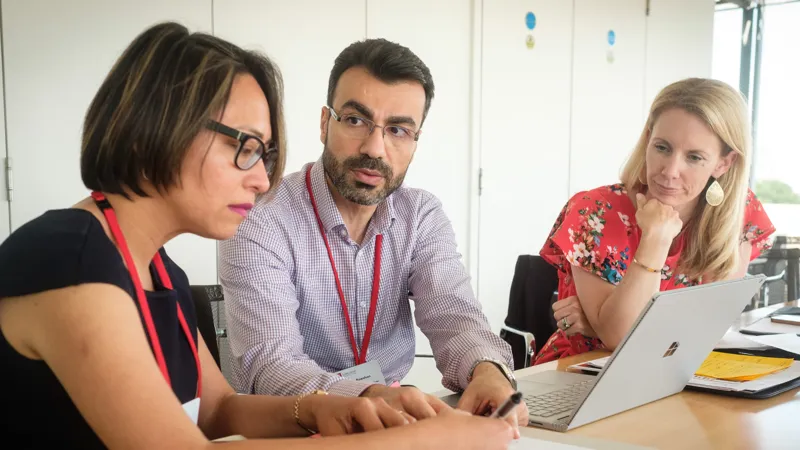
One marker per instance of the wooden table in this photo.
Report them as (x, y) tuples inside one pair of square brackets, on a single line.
[(695, 420)]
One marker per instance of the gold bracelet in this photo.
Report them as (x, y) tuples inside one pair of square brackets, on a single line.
[(647, 268), (297, 409)]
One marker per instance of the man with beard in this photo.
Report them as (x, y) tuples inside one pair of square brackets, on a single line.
[(317, 280)]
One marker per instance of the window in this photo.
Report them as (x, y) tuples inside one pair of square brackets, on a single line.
[(727, 51), (774, 102), (777, 144)]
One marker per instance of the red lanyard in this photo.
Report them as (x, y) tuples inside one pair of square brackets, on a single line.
[(150, 327), (376, 283)]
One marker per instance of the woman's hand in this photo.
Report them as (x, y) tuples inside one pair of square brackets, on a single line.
[(570, 317), (333, 415), (458, 429), (658, 221)]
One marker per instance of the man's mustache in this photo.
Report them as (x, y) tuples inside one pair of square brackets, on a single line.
[(365, 162)]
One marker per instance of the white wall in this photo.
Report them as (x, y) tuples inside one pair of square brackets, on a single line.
[(444, 144), (525, 133), (56, 56), (4, 204), (563, 117), (679, 37), (542, 123), (606, 94), (303, 37), (441, 163), (441, 39)]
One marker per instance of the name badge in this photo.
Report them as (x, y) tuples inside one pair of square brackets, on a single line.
[(192, 409), (369, 372)]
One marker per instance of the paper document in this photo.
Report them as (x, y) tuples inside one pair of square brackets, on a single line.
[(726, 366), (789, 342), (524, 443), (734, 339), (765, 382), (594, 366)]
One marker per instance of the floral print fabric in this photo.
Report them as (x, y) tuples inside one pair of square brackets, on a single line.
[(597, 232)]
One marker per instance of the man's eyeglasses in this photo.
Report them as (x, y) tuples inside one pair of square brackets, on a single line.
[(250, 149), (358, 127)]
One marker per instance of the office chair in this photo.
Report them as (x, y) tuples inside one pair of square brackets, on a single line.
[(781, 264), (208, 318), (530, 322)]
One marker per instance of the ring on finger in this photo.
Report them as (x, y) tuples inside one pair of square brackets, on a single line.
[(565, 323)]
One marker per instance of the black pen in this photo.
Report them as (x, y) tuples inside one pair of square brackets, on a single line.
[(508, 406)]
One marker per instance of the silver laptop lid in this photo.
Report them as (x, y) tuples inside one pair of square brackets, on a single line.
[(670, 340)]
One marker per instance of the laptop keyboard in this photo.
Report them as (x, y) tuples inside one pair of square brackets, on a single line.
[(557, 402)]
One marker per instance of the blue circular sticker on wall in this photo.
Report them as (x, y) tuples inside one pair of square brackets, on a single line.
[(612, 37), (530, 20)]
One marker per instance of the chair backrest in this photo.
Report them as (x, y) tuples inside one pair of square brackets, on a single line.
[(203, 297), (533, 291), (782, 258)]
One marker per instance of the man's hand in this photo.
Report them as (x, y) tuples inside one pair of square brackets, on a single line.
[(488, 390), (409, 400)]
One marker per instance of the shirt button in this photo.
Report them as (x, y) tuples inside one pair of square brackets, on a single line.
[(362, 304), (343, 233)]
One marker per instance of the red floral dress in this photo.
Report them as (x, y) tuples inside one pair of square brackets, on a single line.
[(597, 232)]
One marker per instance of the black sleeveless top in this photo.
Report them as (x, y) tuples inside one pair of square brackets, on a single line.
[(65, 248)]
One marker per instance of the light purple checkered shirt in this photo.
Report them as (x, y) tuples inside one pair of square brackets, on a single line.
[(286, 326)]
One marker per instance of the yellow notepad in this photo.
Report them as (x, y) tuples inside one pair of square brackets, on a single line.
[(726, 366)]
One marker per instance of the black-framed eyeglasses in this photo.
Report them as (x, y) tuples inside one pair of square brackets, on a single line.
[(250, 148), (359, 127)]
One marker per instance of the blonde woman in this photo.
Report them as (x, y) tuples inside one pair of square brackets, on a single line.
[(683, 215)]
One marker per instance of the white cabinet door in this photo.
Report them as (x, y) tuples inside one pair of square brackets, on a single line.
[(56, 56), (440, 34), (441, 38), (303, 37), (607, 89), (680, 37), (525, 104)]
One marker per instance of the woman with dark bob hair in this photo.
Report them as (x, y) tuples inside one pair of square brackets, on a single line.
[(98, 335)]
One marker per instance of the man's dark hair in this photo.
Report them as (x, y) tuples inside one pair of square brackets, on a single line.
[(386, 61)]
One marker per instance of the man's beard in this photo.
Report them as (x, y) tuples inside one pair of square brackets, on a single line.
[(356, 191)]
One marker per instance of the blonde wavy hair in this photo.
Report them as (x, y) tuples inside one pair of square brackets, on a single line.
[(711, 248)]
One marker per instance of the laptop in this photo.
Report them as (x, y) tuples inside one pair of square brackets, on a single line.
[(669, 341)]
